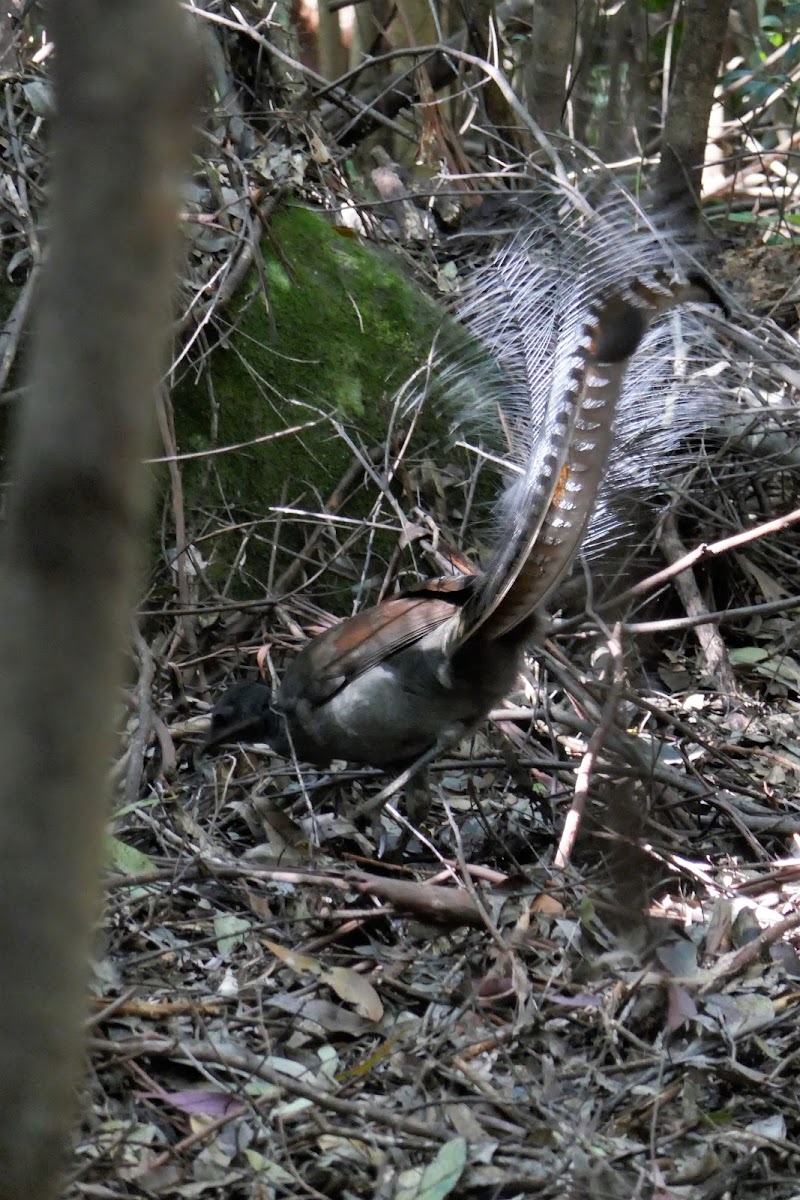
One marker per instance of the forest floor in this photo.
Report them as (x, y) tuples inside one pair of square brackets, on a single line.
[(288, 1003), (579, 977)]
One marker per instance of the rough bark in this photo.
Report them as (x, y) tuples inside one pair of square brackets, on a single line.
[(548, 59), (690, 100), (124, 83)]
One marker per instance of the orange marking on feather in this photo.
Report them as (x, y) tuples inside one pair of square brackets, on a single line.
[(561, 486)]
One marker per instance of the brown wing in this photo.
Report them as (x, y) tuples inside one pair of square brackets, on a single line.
[(347, 650)]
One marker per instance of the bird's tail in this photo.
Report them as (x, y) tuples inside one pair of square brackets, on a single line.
[(561, 321)]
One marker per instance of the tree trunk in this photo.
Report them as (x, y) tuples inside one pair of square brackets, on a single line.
[(690, 99), (124, 86), (548, 59), (332, 54)]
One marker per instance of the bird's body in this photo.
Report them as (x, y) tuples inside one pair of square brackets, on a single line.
[(379, 688), (385, 685)]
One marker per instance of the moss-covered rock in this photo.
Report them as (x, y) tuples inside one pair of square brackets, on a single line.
[(324, 325)]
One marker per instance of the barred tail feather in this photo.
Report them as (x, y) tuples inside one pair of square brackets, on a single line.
[(562, 321)]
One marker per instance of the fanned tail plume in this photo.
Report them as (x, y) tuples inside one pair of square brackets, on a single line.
[(562, 315)]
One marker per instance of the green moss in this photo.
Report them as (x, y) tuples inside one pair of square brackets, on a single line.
[(325, 326), (348, 327)]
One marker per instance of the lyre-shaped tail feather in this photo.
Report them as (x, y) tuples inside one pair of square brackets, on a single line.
[(592, 335)]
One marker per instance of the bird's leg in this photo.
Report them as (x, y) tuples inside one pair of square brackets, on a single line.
[(400, 781)]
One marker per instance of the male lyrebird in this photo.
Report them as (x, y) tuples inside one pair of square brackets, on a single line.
[(420, 670)]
